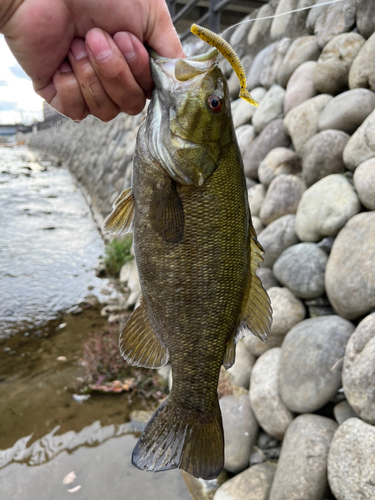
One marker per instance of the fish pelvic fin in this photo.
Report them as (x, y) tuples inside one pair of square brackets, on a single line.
[(256, 310), (120, 220), (179, 438), (139, 343)]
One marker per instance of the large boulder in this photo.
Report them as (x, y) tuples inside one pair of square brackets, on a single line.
[(350, 273), (301, 122), (361, 145), (332, 69), (325, 208), (245, 135), (302, 49), (269, 410), (270, 108), (277, 237), (283, 195), (362, 71), (364, 182), (347, 111), (242, 111), (311, 361), (252, 484), (351, 461), (358, 374), (300, 86), (301, 268), (365, 17), (240, 371), (302, 468), (273, 62), (278, 161), (322, 155)]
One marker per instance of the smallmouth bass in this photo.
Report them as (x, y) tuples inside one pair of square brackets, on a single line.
[(196, 253)]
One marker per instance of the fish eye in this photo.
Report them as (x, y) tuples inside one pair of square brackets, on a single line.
[(214, 103)]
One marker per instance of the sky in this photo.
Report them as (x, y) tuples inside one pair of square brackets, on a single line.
[(18, 101)]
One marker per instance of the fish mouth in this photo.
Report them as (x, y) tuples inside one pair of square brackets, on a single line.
[(181, 74)]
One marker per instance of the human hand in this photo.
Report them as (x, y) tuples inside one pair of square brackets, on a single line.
[(88, 56)]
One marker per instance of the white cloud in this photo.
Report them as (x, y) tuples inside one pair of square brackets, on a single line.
[(18, 101)]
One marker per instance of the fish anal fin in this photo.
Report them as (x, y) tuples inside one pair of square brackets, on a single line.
[(120, 220), (256, 312), (167, 213), (178, 438), (139, 344)]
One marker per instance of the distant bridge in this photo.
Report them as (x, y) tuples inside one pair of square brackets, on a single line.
[(13, 129)]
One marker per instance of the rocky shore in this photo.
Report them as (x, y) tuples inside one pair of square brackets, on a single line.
[(303, 424)]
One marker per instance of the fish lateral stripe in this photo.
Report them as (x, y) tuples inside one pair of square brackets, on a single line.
[(230, 55)]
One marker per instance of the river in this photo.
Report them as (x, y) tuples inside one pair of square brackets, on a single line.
[(49, 250)]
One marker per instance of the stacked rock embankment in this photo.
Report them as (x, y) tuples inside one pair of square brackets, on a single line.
[(309, 158), (305, 427)]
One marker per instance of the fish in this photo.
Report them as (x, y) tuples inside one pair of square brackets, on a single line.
[(196, 253)]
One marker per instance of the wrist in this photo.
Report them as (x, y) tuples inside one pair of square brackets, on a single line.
[(7, 9)]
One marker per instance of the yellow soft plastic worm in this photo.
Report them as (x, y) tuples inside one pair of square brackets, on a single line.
[(227, 51)]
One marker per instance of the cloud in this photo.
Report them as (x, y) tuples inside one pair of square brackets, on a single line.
[(18, 71), (3, 83), (8, 106)]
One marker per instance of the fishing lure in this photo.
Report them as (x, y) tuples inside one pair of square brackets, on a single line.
[(230, 55)]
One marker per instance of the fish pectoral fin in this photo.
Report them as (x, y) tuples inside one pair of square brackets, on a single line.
[(167, 213), (120, 220), (256, 310), (139, 343)]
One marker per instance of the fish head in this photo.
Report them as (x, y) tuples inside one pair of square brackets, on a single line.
[(189, 118)]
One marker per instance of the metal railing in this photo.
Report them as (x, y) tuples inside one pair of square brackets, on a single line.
[(211, 17), (52, 121)]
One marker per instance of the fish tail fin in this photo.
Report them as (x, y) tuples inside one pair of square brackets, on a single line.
[(176, 438)]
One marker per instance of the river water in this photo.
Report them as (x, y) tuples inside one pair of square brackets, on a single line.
[(49, 250), (49, 244)]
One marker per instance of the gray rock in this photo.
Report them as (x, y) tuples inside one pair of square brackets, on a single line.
[(358, 373), (252, 484), (316, 311), (288, 21), (273, 62), (311, 362), (267, 277), (362, 71), (301, 268), (269, 410), (245, 136), (351, 461), (276, 238), (350, 282), (348, 110), (300, 86), (240, 432), (301, 122), (240, 371), (302, 468), (239, 35), (257, 224), (331, 20), (282, 198), (365, 17), (256, 195), (287, 312), (364, 182), (342, 411), (243, 111), (278, 161), (325, 208), (332, 70), (272, 136), (322, 155), (270, 108), (129, 277), (260, 29), (253, 75), (302, 49), (361, 145)]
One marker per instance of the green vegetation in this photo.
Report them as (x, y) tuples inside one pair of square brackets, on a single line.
[(117, 253)]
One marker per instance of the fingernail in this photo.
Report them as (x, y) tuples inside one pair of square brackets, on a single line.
[(65, 67), (125, 44), (99, 45), (78, 48)]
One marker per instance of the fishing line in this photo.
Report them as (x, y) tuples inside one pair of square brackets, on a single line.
[(282, 14)]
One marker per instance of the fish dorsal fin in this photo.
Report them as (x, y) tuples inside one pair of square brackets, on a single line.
[(256, 309), (139, 344), (256, 313), (167, 213), (120, 220)]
